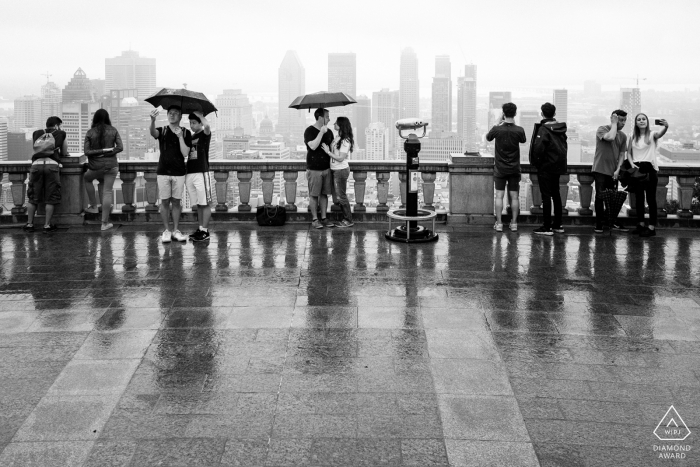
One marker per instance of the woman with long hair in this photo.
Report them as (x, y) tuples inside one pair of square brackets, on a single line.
[(642, 154), (102, 144), (339, 152)]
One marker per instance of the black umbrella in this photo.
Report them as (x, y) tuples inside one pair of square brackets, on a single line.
[(613, 200), (322, 100), (189, 101)]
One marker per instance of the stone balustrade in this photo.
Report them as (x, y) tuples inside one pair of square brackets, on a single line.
[(471, 190)]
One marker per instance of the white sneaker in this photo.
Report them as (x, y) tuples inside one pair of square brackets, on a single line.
[(513, 227), (167, 237), (179, 236), (498, 227), (106, 226)]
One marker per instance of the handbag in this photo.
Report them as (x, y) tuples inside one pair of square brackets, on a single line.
[(632, 178), (271, 215)]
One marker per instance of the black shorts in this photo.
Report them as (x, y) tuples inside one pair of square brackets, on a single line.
[(44, 184), (512, 180)]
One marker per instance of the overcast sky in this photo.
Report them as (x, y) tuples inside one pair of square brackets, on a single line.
[(516, 44)]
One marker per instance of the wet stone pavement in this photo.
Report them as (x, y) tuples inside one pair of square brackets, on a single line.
[(291, 347)]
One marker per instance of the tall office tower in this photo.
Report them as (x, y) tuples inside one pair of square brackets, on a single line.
[(442, 95), (363, 117), (131, 118), (560, 99), (378, 142), (342, 76), (97, 88), (528, 119), (496, 101), (408, 87), (466, 112), (291, 123), (235, 110), (631, 102), (78, 89), (3, 139), (470, 71), (19, 145), (385, 109), (50, 100), (28, 112), (130, 71), (77, 118), (591, 88)]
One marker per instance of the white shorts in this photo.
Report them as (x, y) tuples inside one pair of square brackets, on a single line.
[(199, 188), (170, 186)]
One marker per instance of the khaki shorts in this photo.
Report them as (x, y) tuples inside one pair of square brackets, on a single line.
[(170, 186), (199, 188), (320, 182)]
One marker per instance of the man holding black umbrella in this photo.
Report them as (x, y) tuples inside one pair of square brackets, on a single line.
[(318, 167)]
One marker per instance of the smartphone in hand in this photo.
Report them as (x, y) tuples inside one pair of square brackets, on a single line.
[(658, 122)]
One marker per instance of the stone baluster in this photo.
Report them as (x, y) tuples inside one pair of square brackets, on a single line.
[(564, 192), (402, 183), (290, 189), (360, 178), (19, 193), (585, 191), (428, 190), (72, 187), (536, 207), (221, 178), (151, 191), (686, 185), (268, 185), (244, 190), (128, 190), (383, 191), (661, 195)]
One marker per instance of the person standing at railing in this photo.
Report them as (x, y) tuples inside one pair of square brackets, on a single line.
[(175, 142), (339, 152), (45, 174), (101, 146), (197, 179), (318, 168), (642, 154), (610, 150), (506, 167)]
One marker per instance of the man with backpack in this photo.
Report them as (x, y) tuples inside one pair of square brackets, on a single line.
[(44, 175), (175, 143), (548, 150)]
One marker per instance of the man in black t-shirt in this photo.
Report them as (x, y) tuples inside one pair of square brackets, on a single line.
[(197, 179), (318, 167)]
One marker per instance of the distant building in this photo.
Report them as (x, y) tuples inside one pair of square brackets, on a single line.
[(51, 97), (574, 153), (77, 119), (19, 145), (235, 144), (496, 101), (466, 112), (131, 118), (439, 145), (342, 76), (267, 129), (560, 99), (131, 71), (3, 139), (591, 88), (527, 120), (631, 102), (28, 112), (686, 153), (97, 88), (378, 142), (408, 87), (442, 95), (78, 89), (235, 110), (291, 84), (363, 117), (385, 109)]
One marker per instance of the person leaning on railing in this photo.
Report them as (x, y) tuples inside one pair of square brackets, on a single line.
[(102, 144)]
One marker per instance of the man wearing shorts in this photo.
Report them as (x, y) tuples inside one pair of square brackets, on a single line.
[(318, 167), (506, 169), (175, 142), (197, 179)]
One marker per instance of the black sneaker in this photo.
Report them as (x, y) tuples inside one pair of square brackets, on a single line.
[(559, 229), (28, 228), (50, 228), (544, 231), (648, 233), (327, 224), (637, 230), (195, 233), (598, 229), (620, 228), (201, 236)]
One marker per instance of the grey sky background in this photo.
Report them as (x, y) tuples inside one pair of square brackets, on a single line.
[(518, 45)]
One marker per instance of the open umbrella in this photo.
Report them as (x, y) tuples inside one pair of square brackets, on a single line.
[(322, 100), (189, 101), (613, 200)]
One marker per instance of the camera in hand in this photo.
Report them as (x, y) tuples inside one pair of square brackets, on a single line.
[(658, 122)]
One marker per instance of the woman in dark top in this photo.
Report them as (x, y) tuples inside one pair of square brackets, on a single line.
[(102, 144)]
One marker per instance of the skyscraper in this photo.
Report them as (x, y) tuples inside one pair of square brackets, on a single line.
[(528, 119), (28, 112), (470, 71), (342, 76), (19, 146), (378, 139), (408, 87), (130, 71), (77, 118), (235, 110), (292, 83), (50, 100), (363, 117), (78, 89), (560, 99), (496, 101), (466, 112), (631, 102), (385, 109), (442, 95), (3, 139)]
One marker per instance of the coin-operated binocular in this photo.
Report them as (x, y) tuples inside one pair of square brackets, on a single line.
[(411, 232)]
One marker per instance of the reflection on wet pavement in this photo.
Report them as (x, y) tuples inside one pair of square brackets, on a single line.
[(292, 347)]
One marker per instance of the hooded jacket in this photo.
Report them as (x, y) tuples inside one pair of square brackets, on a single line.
[(548, 147)]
